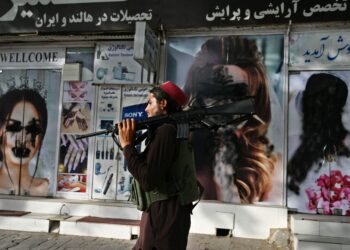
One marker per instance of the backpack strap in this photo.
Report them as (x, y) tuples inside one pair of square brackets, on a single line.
[(201, 190)]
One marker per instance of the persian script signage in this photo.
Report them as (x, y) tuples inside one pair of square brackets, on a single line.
[(42, 16)]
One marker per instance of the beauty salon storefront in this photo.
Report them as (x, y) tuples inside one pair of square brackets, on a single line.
[(86, 65)]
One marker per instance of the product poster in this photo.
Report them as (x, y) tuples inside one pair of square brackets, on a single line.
[(105, 168), (319, 142), (106, 154), (73, 161), (77, 91), (114, 63), (29, 101), (134, 102), (112, 179), (232, 164), (76, 119), (73, 154), (72, 183)]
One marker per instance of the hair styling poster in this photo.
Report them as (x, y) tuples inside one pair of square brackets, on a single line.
[(238, 163), (319, 142)]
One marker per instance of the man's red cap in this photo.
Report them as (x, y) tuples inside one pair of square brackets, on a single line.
[(175, 93)]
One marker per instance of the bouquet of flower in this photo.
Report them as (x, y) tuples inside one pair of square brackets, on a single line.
[(330, 195)]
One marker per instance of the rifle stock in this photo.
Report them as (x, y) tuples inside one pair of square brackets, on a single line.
[(243, 107)]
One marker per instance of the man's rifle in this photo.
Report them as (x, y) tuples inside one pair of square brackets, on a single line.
[(210, 117)]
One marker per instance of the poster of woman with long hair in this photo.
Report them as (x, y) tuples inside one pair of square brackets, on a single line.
[(28, 105), (319, 142), (236, 164)]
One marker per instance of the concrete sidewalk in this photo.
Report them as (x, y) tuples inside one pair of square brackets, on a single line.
[(17, 240)]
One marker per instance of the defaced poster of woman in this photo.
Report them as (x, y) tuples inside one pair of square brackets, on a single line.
[(235, 164), (319, 142), (27, 147)]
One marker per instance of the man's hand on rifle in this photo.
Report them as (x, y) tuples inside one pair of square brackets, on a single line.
[(126, 131)]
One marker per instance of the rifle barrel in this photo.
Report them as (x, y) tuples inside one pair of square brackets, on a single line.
[(240, 107), (102, 132)]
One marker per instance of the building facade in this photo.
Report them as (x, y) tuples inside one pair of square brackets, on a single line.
[(93, 62)]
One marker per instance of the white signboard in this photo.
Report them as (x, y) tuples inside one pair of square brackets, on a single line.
[(33, 57), (146, 49), (114, 63), (320, 49)]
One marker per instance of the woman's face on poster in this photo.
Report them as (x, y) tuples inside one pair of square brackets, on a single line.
[(22, 134), (77, 90), (237, 74)]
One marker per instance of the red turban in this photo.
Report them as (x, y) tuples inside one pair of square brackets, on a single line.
[(175, 93)]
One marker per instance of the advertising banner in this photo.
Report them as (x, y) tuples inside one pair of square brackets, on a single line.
[(106, 154), (52, 16), (111, 179), (134, 101), (114, 63), (76, 118), (319, 142), (238, 163), (29, 111)]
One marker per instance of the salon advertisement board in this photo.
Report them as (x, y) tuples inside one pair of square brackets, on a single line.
[(29, 102), (224, 166), (318, 179), (76, 118), (319, 142)]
